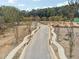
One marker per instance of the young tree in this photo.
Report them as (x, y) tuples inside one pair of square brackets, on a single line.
[(72, 4)]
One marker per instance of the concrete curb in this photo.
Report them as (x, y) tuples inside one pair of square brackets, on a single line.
[(53, 55), (14, 51), (60, 48)]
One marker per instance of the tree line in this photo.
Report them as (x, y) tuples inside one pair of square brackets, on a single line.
[(10, 14)]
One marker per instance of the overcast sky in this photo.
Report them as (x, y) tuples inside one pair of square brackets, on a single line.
[(33, 4)]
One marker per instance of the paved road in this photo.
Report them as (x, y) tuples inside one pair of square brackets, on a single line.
[(14, 51), (39, 49)]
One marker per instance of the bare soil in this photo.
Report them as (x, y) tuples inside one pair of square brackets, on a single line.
[(8, 39), (64, 41)]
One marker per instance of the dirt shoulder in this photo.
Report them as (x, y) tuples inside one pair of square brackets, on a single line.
[(63, 39), (8, 39)]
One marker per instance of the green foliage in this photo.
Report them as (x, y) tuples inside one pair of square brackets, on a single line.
[(10, 14), (56, 18), (64, 11)]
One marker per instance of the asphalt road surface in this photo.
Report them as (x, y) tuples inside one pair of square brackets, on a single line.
[(39, 49)]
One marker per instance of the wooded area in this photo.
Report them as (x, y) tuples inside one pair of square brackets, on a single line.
[(13, 15), (10, 14)]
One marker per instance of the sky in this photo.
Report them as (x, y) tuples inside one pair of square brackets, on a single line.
[(33, 4)]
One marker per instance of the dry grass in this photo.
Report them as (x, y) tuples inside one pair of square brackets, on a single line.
[(8, 38), (65, 43)]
